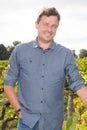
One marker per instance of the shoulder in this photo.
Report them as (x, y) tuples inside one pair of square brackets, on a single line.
[(63, 52), (63, 49), (23, 47)]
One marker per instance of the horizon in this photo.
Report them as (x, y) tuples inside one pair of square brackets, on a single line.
[(17, 19)]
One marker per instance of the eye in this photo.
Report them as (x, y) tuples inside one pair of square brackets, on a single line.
[(45, 24), (54, 26)]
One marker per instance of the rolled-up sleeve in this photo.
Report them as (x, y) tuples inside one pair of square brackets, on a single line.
[(75, 79), (13, 69)]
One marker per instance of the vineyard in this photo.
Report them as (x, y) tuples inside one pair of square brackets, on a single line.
[(75, 119), (8, 118)]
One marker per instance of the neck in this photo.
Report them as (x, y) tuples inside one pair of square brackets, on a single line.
[(44, 45)]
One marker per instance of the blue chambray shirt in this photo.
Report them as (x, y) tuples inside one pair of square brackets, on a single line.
[(41, 75)]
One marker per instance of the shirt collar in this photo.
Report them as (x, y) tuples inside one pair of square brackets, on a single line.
[(53, 45), (36, 45)]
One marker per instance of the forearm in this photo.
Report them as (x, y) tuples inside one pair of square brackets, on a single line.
[(12, 97), (82, 93)]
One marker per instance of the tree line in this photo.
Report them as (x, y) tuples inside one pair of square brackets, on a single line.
[(5, 52)]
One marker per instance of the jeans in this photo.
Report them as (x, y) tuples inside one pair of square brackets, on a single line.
[(22, 126)]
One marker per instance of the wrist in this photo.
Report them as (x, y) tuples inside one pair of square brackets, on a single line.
[(18, 111)]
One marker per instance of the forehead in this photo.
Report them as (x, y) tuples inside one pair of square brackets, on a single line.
[(49, 19)]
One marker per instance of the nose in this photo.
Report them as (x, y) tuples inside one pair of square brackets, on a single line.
[(49, 28)]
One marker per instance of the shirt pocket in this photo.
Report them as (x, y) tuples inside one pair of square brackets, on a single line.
[(27, 65)]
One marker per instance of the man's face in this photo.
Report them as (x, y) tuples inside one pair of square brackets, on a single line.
[(47, 28)]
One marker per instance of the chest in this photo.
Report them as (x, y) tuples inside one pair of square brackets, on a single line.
[(48, 62)]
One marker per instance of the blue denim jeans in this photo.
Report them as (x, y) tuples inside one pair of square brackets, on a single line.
[(22, 126)]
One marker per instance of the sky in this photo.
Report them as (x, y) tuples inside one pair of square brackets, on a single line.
[(17, 21)]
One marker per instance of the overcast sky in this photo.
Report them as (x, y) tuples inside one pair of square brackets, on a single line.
[(17, 21)]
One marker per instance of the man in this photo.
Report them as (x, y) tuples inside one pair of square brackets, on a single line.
[(40, 67)]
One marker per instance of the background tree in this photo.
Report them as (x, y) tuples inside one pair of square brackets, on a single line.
[(15, 43), (3, 52), (83, 53), (10, 48)]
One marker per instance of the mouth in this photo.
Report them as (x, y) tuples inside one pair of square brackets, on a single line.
[(47, 34)]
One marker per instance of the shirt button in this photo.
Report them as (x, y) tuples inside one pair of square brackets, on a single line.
[(43, 64), (30, 61), (42, 76), (42, 88), (41, 101), (43, 52)]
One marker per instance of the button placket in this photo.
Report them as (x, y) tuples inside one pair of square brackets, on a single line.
[(42, 79)]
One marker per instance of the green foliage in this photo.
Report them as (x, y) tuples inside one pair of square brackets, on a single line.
[(15, 43), (81, 127), (7, 113), (82, 65), (78, 121), (84, 116), (72, 121), (3, 52), (83, 53)]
